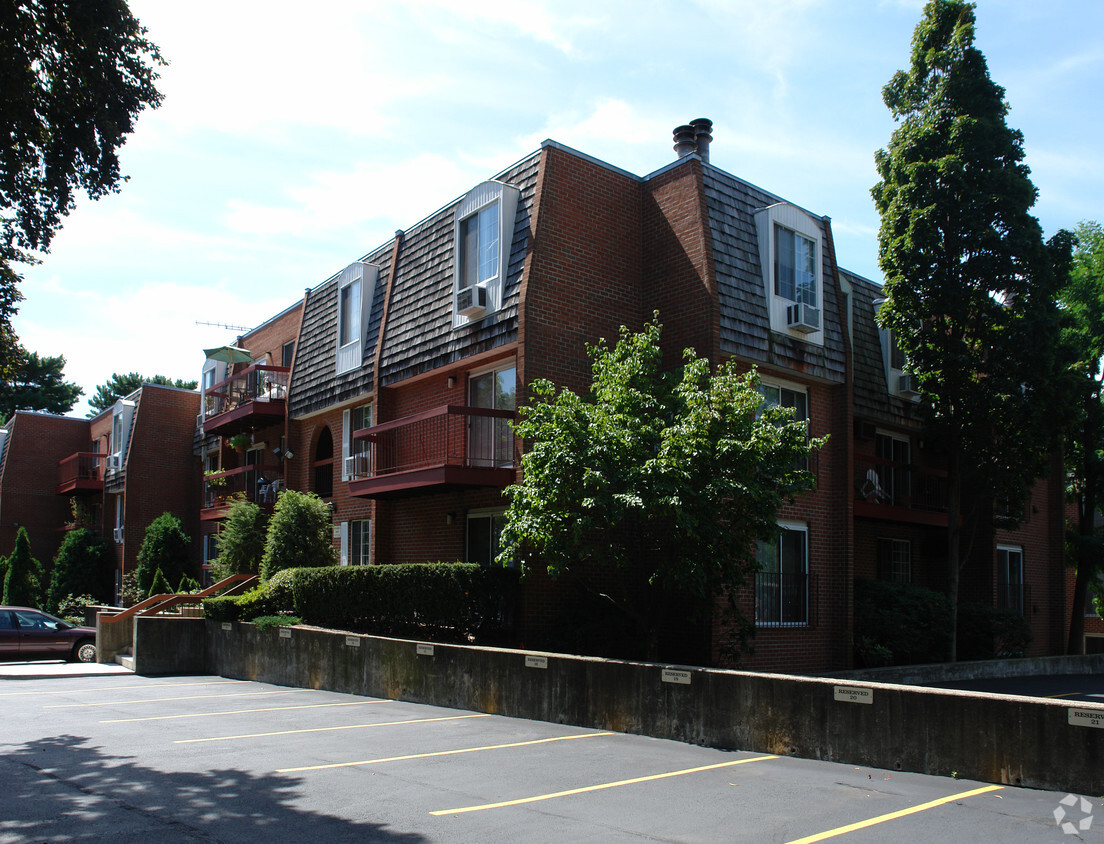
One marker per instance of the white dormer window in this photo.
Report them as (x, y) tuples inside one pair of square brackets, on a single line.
[(899, 380), (121, 418), (791, 254), (483, 235), (355, 287)]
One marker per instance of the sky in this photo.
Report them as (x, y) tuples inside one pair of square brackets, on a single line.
[(295, 138)]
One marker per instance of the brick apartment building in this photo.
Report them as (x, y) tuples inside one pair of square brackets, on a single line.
[(389, 388), (114, 473)]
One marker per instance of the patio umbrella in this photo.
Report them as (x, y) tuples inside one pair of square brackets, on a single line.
[(230, 354)]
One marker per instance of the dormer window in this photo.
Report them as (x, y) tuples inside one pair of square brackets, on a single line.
[(355, 287), (791, 255), (899, 380), (483, 235)]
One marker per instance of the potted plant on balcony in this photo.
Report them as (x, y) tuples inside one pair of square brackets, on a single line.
[(238, 442), (212, 482)]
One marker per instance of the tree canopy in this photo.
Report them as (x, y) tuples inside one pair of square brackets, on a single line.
[(37, 383), (118, 386), (662, 480), (165, 549), (77, 73), (241, 541), (1082, 299), (969, 289), (299, 534)]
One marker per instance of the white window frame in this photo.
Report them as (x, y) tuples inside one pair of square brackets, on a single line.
[(776, 547), (1006, 552), (786, 216), (898, 567), (351, 448), (122, 417), (798, 390), (488, 198), (348, 530), (479, 423), (350, 350)]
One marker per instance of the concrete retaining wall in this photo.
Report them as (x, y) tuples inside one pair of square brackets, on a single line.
[(1001, 739), (951, 671)]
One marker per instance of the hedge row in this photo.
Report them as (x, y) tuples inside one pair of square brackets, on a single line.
[(455, 601)]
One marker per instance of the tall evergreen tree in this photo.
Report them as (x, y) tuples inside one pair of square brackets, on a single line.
[(82, 567), (37, 383), (970, 294), (23, 581), (118, 386), (166, 548)]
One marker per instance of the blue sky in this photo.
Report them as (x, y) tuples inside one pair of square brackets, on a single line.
[(296, 138)]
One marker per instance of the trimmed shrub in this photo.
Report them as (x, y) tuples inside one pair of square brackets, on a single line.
[(913, 623), (270, 598), (164, 547), (241, 542), (985, 632), (159, 586), (23, 580), (82, 567), (300, 533)]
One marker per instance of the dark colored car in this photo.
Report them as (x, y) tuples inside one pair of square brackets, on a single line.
[(33, 634)]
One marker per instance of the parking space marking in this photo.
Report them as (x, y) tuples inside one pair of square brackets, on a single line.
[(122, 688), (440, 753), (331, 729), (245, 711), (599, 787), (923, 807), (171, 699), (1065, 694)]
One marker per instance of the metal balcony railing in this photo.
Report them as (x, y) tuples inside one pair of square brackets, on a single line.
[(451, 435), (258, 382), (258, 484), (907, 485)]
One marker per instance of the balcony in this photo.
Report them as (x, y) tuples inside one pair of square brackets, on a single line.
[(901, 492), (82, 472), (247, 400), (449, 447), (258, 484)]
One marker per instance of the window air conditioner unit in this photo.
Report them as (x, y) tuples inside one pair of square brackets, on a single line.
[(803, 318), (471, 301), (118, 534), (907, 386), (115, 462)]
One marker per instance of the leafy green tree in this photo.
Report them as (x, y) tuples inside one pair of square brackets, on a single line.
[(118, 386), (37, 383), (77, 73), (664, 481), (82, 567), (165, 547), (23, 580), (1082, 298), (970, 294), (299, 534), (241, 542)]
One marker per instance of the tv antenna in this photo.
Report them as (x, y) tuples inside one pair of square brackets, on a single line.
[(224, 325)]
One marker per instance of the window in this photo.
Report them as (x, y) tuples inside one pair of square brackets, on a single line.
[(323, 464), (117, 533), (484, 533), (355, 287), (795, 260), (895, 560), (787, 397), (782, 582), (892, 471), (356, 543), (210, 553), (1010, 585), (790, 250), (356, 455), (490, 438), (1094, 596), (484, 233), (288, 354)]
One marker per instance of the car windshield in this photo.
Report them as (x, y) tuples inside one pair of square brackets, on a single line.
[(35, 618)]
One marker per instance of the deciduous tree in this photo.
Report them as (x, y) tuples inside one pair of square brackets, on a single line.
[(970, 295), (241, 541), (664, 480)]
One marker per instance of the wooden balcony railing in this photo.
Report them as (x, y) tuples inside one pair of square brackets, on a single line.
[(81, 472), (451, 445), (259, 484), (257, 392)]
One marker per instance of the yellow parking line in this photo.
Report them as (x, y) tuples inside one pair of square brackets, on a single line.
[(120, 688), (170, 699), (438, 753), (1065, 694), (244, 711), (832, 833), (599, 787), (331, 729)]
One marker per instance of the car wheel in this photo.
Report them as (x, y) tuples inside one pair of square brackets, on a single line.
[(84, 651)]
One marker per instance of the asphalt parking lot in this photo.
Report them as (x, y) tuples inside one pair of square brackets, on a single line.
[(126, 758)]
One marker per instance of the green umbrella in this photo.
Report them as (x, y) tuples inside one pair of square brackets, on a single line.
[(230, 354)]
